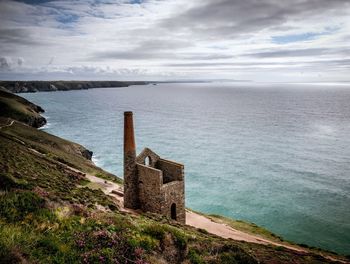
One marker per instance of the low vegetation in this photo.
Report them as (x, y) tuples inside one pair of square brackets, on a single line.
[(246, 227), (47, 148), (48, 214), (20, 109)]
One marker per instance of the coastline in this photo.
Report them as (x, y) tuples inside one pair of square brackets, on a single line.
[(207, 223), (51, 86)]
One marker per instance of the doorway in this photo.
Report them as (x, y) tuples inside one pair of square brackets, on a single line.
[(173, 211)]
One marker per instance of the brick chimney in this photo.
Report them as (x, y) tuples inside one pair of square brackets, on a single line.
[(130, 176)]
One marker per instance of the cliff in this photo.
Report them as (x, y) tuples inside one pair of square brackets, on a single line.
[(56, 206), (40, 86), (20, 109)]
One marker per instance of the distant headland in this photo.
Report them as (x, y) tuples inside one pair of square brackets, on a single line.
[(48, 86)]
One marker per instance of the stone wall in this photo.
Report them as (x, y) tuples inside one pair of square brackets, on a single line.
[(150, 154), (172, 171), (150, 182), (174, 193), (157, 194)]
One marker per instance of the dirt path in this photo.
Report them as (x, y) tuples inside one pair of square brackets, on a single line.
[(112, 189), (225, 231), (192, 218), (8, 124)]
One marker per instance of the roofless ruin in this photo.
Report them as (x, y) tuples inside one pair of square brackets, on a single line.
[(151, 184)]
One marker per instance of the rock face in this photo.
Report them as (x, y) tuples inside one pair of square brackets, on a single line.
[(38, 86), (86, 153), (36, 121)]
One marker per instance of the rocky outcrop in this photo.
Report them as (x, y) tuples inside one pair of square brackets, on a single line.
[(36, 121), (48, 86), (86, 153)]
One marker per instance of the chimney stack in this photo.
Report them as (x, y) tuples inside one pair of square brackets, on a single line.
[(130, 176)]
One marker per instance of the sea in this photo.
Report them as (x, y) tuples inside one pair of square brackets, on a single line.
[(277, 155)]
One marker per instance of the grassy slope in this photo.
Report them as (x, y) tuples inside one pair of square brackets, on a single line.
[(47, 216), (18, 108), (256, 230), (54, 148)]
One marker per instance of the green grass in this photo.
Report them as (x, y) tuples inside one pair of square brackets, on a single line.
[(49, 213), (54, 149), (18, 108), (24, 169), (247, 227), (40, 235)]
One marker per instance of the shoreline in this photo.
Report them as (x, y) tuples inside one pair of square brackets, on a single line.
[(216, 228), (52, 86)]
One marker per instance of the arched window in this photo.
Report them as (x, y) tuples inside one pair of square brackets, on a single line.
[(148, 161), (173, 211)]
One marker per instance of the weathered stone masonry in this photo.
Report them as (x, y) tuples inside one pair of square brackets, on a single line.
[(151, 183)]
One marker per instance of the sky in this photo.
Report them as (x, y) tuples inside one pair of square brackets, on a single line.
[(254, 40)]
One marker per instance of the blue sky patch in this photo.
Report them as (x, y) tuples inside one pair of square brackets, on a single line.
[(136, 1), (285, 39), (67, 18), (34, 2)]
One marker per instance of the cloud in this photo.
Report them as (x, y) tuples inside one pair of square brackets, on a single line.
[(20, 61), (5, 63), (289, 53), (8, 63), (17, 36), (154, 39), (231, 18), (309, 52), (52, 59), (149, 49)]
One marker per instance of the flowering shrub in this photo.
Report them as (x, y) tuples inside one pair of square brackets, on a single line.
[(103, 246)]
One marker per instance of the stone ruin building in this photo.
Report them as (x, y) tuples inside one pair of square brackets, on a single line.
[(151, 184)]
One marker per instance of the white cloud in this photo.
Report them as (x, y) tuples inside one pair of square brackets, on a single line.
[(177, 38), (10, 64)]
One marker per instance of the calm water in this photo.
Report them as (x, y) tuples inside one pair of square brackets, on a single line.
[(276, 155)]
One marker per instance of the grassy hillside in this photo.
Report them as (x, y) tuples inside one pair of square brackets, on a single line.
[(20, 109), (50, 147), (48, 214)]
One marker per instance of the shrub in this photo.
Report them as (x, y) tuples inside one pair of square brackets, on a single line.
[(180, 238), (49, 244), (13, 241), (100, 245), (194, 257), (156, 231), (233, 254), (7, 182), (15, 206), (143, 241)]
